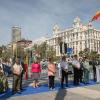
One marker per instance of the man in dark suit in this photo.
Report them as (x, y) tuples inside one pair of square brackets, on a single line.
[(94, 69), (64, 71), (76, 69), (23, 71)]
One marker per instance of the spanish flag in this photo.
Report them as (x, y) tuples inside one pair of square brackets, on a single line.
[(97, 15)]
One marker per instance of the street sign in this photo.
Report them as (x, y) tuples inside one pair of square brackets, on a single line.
[(69, 51)]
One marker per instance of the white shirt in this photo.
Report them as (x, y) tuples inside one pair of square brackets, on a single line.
[(17, 69), (76, 63), (59, 66), (1, 66), (64, 64)]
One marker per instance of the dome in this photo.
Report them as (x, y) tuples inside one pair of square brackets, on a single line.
[(56, 27), (77, 20)]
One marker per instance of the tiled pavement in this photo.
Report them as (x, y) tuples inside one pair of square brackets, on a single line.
[(78, 93)]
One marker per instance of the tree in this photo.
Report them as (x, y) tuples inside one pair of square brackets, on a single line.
[(0, 52), (51, 53), (44, 51), (91, 55), (5, 53), (87, 52), (81, 53)]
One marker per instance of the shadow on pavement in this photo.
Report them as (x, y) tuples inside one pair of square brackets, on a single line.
[(61, 94)]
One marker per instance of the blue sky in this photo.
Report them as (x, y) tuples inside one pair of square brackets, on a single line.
[(37, 17)]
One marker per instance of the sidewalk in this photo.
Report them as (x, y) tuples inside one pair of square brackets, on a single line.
[(90, 92), (80, 93)]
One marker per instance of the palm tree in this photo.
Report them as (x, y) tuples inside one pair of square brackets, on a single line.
[(44, 50)]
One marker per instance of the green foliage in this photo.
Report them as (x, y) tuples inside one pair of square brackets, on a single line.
[(5, 53), (90, 55), (44, 51), (93, 55), (81, 53)]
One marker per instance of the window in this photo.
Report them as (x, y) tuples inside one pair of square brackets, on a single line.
[(73, 35), (77, 34), (77, 43)]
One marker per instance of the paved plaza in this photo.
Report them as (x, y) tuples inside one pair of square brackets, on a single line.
[(78, 93), (90, 92)]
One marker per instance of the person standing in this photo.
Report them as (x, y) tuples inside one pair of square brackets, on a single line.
[(1, 66), (26, 68), (3, 80), (76, 67), (94, 69), (64, 72), (59, 70), (35, 69), (81, 69), (51, 73), (86, 70), (17, 70), (22, 73)]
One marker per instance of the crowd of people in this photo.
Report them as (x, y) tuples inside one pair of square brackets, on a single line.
[(80, 69)]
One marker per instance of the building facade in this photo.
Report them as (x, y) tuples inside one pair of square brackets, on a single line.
[(16, 34), (78, 37)]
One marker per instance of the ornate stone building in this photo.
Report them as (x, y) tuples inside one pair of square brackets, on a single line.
[(78, 37)]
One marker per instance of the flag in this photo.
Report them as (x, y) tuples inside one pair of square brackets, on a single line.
[(96, 16)]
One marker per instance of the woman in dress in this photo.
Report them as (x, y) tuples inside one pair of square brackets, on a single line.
[(86, 70), (35, 69)]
